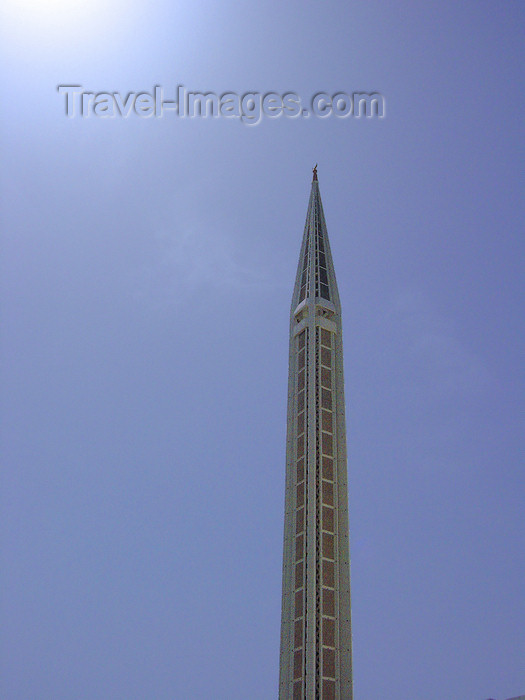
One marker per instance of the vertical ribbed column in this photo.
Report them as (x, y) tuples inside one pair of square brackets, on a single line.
[(301, 516)]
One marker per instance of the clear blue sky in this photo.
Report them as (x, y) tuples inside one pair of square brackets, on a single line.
[(147, 270)]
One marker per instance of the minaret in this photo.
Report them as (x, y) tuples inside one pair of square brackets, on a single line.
[(316, 637)]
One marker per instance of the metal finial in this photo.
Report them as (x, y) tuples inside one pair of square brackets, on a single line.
[(315, 171)]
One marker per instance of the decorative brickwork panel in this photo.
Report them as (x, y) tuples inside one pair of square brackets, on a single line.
[(298, 633), (326, 338), (328, 545), (300, 521), (329, 663), (328, 468), (299, 541), (328, 573), (328, 690), (326, 399), (328, 632), (328, 519), (326, 421), (300, 446), (326, 378), (328, 602), (298, 603), (326, 357), (300, 470), (299, 575), (328, 446), (328, 493), (298, 664)]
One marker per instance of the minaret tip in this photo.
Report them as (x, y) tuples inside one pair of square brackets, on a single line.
[(315, 172)]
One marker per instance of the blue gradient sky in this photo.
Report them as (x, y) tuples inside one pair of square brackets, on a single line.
[(147, 270)]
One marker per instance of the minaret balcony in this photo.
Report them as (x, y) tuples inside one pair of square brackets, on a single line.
[(322, 307)]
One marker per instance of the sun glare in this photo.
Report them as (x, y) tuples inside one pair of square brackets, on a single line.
[(48, 20)]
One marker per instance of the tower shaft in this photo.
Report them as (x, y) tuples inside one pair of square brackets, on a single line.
[(316, 655)]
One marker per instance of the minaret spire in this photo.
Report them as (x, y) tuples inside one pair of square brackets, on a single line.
[(316, 275), (316, 638)]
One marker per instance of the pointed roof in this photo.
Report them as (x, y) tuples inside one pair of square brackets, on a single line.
[(315, 275)]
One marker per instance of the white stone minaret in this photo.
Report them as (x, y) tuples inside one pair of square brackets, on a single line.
[(316, 635)]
